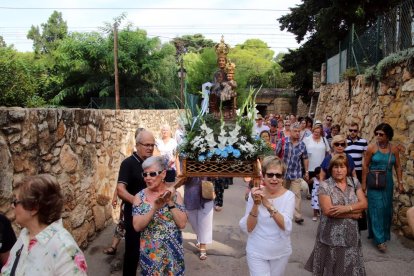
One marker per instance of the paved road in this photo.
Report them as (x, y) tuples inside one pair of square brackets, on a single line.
[(226, 256)]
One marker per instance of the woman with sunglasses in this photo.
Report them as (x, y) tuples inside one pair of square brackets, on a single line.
[(338, 147), (44, 247), (269, 223), (160, 222), (381, 155)]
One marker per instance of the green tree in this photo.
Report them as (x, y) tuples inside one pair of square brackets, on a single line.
[(53, 31), (324, 24), (192, 43), (2, 42), (17, 84)]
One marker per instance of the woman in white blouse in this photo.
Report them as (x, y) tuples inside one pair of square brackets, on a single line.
[(44, 247), (269, 223), (167, 147)]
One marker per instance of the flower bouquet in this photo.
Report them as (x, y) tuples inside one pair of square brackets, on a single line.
[(213, 147)]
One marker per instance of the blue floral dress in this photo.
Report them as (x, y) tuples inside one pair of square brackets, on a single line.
[(161, 245)]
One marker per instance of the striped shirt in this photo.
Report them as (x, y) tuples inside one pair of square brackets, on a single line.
[(356, 150), (292, 158)]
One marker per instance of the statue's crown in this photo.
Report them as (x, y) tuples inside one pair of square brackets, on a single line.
[(222, 49), (230, 67)]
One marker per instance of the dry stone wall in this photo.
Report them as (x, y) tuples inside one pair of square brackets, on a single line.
[(391, 101), (82, 148)]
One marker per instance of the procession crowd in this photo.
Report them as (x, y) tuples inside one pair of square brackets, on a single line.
[(348, 181)]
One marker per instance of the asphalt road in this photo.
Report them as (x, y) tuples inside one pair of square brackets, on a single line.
[(226, 256)]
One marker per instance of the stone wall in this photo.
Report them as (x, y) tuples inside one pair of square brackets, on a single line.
[(302, 108), (82, 148), (391, 101)]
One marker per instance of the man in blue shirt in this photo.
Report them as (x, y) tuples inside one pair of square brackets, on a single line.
[(294, 151)]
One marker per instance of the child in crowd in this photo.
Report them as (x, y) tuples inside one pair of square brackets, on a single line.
[(315, 190)]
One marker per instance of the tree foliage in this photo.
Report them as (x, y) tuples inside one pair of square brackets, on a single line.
[(192, 43), (324, 24), (53, 31), (17, 84)]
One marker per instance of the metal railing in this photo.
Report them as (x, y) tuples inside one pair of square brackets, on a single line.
[(393, 32)]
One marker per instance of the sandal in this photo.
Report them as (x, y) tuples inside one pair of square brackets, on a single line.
[(203, 254), (382, 247), (109, 251)]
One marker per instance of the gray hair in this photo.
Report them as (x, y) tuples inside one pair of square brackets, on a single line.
[(138, 131), (158, 161), (295, 125)]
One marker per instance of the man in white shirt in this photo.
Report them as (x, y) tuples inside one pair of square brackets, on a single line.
[(259, 126)]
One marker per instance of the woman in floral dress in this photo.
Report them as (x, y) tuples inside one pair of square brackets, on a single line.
[(160, 222)]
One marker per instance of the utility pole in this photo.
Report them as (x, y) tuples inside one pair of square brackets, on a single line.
[(182, 81), (116, 65)]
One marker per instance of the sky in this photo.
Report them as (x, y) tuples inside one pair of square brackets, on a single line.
[(236, 20)]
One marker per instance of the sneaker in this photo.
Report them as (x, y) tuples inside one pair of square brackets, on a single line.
[(314, 218)]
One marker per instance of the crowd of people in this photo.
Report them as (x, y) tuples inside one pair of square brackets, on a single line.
[(335, 168)]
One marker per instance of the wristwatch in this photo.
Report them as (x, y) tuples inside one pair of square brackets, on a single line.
[(171, 207), (272, 211)]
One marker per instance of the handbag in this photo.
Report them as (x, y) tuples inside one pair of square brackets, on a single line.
[(362, 221), (207, 190), (377, 179)]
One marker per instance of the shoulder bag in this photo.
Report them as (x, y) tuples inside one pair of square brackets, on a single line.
[(377, 179), (207, 190)]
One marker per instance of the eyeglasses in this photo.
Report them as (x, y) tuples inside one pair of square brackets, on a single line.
[(271, 175), (353, 130), (152, 174), (287, 125), (147, 145), (15, 202), (339, 145), (329, 120), (379, 134)]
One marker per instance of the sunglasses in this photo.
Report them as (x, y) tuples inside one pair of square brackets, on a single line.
[(147, 145), (152, 174), (353, 130), (271, 175), (15, 202), (329, 120), (339, 144), (379, 134), (287, 125)]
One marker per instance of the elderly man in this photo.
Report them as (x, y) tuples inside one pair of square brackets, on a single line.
[(259, 126), (130, 182), (293, 150)]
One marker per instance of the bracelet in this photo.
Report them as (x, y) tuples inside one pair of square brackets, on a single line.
[(171, 207), (251, 214)]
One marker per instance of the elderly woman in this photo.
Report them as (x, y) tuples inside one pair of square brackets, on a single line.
[(44, 246), (338, 147), (317, 148), (159, 221), (167, 147), (269, 223), (338, 249), (381, 155)]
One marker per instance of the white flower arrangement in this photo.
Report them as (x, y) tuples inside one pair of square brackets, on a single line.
[(210, 139)]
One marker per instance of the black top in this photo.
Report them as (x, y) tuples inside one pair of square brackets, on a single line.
[(130, 174), (7, 236)]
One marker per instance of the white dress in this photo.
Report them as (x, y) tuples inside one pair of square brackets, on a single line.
[(316, 151)]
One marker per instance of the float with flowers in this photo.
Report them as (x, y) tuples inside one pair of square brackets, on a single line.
[(219, 141)]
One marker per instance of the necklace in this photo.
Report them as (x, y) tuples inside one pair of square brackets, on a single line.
[(383, 146)]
